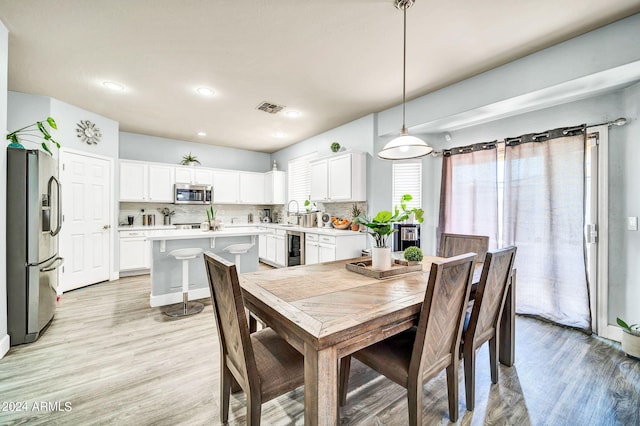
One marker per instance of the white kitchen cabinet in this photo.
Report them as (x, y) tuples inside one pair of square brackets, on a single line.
[(226, 186), (161, 180), (281, 251), (311, 249), (140, 181), (327, 248), (133, 181), (252, 188), (339, 178), (262, 245), (274, 187), (194, 175), (135, 251)]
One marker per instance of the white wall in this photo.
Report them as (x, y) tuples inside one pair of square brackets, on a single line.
[(4, 57), (134, 146)]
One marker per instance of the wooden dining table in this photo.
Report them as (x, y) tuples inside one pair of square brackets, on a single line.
[(326, 312)]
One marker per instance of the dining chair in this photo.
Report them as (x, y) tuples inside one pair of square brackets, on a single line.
[(456, 244), (422, 352), (482, 324), (263, 364)]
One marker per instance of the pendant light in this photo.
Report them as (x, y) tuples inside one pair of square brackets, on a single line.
[(404, 146)]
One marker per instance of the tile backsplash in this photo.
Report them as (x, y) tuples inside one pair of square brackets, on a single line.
[(229, 213)]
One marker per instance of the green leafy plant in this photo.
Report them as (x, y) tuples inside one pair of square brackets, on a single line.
[(309, 205), (413, 254), (211, 214), (381, 225), (33, 132), (631, 329), (335, 147), (188, 159)]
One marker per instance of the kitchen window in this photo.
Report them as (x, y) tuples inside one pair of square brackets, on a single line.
[(407, 179), (299, 183)]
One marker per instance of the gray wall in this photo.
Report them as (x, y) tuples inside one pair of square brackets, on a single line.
[(134, 146), (4, 57)]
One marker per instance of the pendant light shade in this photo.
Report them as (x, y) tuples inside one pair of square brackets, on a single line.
[(404, 146)]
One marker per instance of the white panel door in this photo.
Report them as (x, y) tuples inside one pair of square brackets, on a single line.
[(340, 178), (133, 181), (319, 180), (86, 212), (226, 187)]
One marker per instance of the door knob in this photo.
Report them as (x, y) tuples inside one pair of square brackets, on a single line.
[(105, 227)]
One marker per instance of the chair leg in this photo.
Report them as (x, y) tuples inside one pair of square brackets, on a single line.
[(345, 367), (452, 389), (470, 376), (225, 388), (254, 409), (493, 357), (414, 397)]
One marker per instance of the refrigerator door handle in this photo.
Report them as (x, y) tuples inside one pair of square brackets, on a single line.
[(59, 218), (50, 266)]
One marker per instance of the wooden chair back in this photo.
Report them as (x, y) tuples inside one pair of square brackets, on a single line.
[(440, 324), (490, 295), (233, 328), (457, 244)]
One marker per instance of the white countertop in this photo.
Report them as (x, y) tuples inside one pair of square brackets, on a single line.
[(144, 228), (321, 231), (187, 234)]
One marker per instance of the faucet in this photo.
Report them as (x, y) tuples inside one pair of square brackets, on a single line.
[(297, 208)]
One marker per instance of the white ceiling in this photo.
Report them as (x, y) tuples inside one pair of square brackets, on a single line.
[(332, 60)]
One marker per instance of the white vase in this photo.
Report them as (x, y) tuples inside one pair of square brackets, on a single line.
[(631, 344), (381, 258)]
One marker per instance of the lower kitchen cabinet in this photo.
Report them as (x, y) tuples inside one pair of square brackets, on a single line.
[(135, 251), (272, 248), (326, 248)]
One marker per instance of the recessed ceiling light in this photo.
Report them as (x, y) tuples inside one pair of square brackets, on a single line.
[(292, 114), (202, 134), (205, 91), (112, 85), (279, 135)]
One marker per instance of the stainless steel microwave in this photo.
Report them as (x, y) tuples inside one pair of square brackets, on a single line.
[(192, 194)]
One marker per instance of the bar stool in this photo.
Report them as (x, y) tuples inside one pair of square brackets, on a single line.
[(238, 249), (185, 308)]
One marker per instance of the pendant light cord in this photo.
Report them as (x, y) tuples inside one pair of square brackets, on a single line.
[(404, 66)]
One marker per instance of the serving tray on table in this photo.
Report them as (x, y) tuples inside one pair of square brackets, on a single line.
[(399, 267)]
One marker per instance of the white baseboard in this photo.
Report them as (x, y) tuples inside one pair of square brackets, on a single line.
[(4, 345), (613, 333), (171, 298)]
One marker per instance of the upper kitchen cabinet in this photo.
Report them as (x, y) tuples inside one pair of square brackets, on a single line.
[(141, 181), (274, 187), (226, 186), (340, 177), (194, 175), (251, 188)]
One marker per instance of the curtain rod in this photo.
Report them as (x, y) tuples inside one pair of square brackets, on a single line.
[(489, 145)]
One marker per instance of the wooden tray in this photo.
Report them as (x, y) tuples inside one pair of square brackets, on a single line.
[(399, 267)]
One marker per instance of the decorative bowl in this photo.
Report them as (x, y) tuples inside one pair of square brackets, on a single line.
[(345, 226)]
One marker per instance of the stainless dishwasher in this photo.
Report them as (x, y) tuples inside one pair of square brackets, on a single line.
[(294, 248)]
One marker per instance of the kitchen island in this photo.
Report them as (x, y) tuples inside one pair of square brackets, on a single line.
[(166, 272)]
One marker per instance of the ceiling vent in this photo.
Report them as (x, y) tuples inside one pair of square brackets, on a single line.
[(270, 108)]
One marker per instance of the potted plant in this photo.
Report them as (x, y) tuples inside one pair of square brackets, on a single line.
[(381, 227), (189, 160), (630, 338), (211, 218), (355, 212), (31, 131), (413, 255), (335, 147), (309, 205)]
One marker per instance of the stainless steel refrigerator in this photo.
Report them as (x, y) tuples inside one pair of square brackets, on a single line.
[(34, 220)]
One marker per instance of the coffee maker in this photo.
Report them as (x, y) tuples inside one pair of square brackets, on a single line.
[(408, 235)]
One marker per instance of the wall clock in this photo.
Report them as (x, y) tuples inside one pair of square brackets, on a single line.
[(88, 132)]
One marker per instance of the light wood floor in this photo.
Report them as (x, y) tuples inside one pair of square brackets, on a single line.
[(115, 360)]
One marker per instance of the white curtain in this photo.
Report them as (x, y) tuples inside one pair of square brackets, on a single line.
[(469, 193), (544, 218)]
